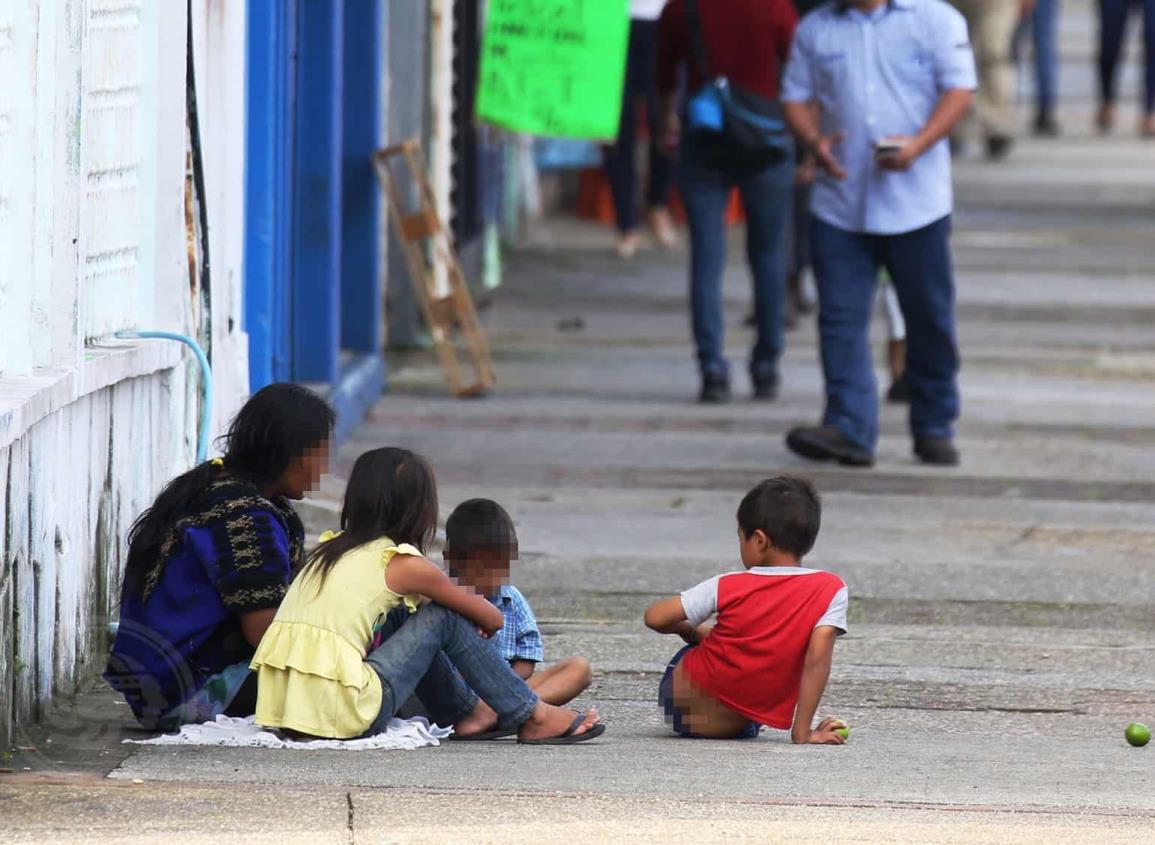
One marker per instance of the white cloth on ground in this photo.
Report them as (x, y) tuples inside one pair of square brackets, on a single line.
[(402, 734)]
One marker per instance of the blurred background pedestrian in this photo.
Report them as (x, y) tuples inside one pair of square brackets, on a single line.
[(746, 43), (1113, 16), (992, 25), (621, 159), (1041, 29)]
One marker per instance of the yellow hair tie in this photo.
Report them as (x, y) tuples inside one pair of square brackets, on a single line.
[(217, 462), (326, 536)]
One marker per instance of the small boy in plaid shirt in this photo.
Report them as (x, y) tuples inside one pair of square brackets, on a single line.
[(480, 543)]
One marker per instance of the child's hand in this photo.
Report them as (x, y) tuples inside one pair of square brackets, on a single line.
[(824, 734), (488, 631)]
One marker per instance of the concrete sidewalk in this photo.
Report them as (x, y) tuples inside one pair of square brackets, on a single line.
[(1003, 614)]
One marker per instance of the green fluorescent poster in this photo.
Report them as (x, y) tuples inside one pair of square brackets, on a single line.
[(554, 67)]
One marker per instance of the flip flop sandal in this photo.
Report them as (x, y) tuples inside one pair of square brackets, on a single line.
[(484, 736), (568, 738)]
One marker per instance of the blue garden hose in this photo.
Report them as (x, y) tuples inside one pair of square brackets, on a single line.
[(206, 381)]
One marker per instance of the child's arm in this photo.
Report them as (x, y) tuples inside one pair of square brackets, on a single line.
[(669, 617), (523, 668), (815, 673), (408, 574)]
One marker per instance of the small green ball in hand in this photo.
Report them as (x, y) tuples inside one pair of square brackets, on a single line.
[(1138, 734), (843, 731)]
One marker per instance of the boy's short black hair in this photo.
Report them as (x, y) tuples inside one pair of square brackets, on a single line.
[(479, 525), (787, 510)]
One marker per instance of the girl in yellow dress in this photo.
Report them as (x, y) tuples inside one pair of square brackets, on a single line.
[(314, 677)]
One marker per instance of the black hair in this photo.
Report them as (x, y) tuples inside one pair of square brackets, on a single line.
[(479, 525), (391, 493), (787, 510), (276, 426)]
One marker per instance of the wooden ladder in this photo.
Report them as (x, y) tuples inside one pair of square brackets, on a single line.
[(426, 242)]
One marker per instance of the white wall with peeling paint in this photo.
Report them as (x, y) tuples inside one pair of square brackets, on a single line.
[(92, 240)]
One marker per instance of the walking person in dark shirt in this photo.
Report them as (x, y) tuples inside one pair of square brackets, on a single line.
[(746, 42)]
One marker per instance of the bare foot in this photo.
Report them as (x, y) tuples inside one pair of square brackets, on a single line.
[(483, 718), (548, 721), (663, 226), (628, 245)]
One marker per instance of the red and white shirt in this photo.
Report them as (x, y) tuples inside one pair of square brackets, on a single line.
[(752, 660)]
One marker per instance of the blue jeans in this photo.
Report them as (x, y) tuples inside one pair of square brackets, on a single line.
[(846, 267), (766, 196), (1112, 29), (1044, 23), (422, 656)]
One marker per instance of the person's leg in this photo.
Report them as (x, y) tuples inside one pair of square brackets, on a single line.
[(404, 660), (798, 283), (846, 269), (444, 695), (965, 130), (1148, 126), (230, 692), (562, 682), (244, 701), (620, 163), (895, 322), (408, 657), (1112, 28), (919, 264), (1044, 23), (661, 166), (995, 102), (705, 193), (766, 197), (896, 344)]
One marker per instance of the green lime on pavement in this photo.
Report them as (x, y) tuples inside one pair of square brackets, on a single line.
[(1137, 734)]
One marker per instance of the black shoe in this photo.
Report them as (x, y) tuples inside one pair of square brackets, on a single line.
[(937, 451), (999, 147), (1046, 127), (715, 389), (765, 388), (827, 443), (899, 392)]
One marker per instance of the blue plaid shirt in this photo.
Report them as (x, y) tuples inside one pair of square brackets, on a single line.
[(519, 638)]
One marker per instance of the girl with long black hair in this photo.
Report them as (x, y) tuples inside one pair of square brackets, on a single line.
[(315, 677), (209, 563)]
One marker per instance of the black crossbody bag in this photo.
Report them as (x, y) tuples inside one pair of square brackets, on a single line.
[(738, 128)]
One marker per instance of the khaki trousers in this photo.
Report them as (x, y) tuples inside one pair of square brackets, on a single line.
[(992, 25)]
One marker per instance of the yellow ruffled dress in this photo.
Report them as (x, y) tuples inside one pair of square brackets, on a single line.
[(310, 665)]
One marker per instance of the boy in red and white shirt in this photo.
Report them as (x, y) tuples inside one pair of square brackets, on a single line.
[(767, 657)]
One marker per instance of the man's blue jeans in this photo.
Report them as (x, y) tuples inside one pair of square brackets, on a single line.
[(1044, 34), (421, 657), (846, 266), (766, 195)]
